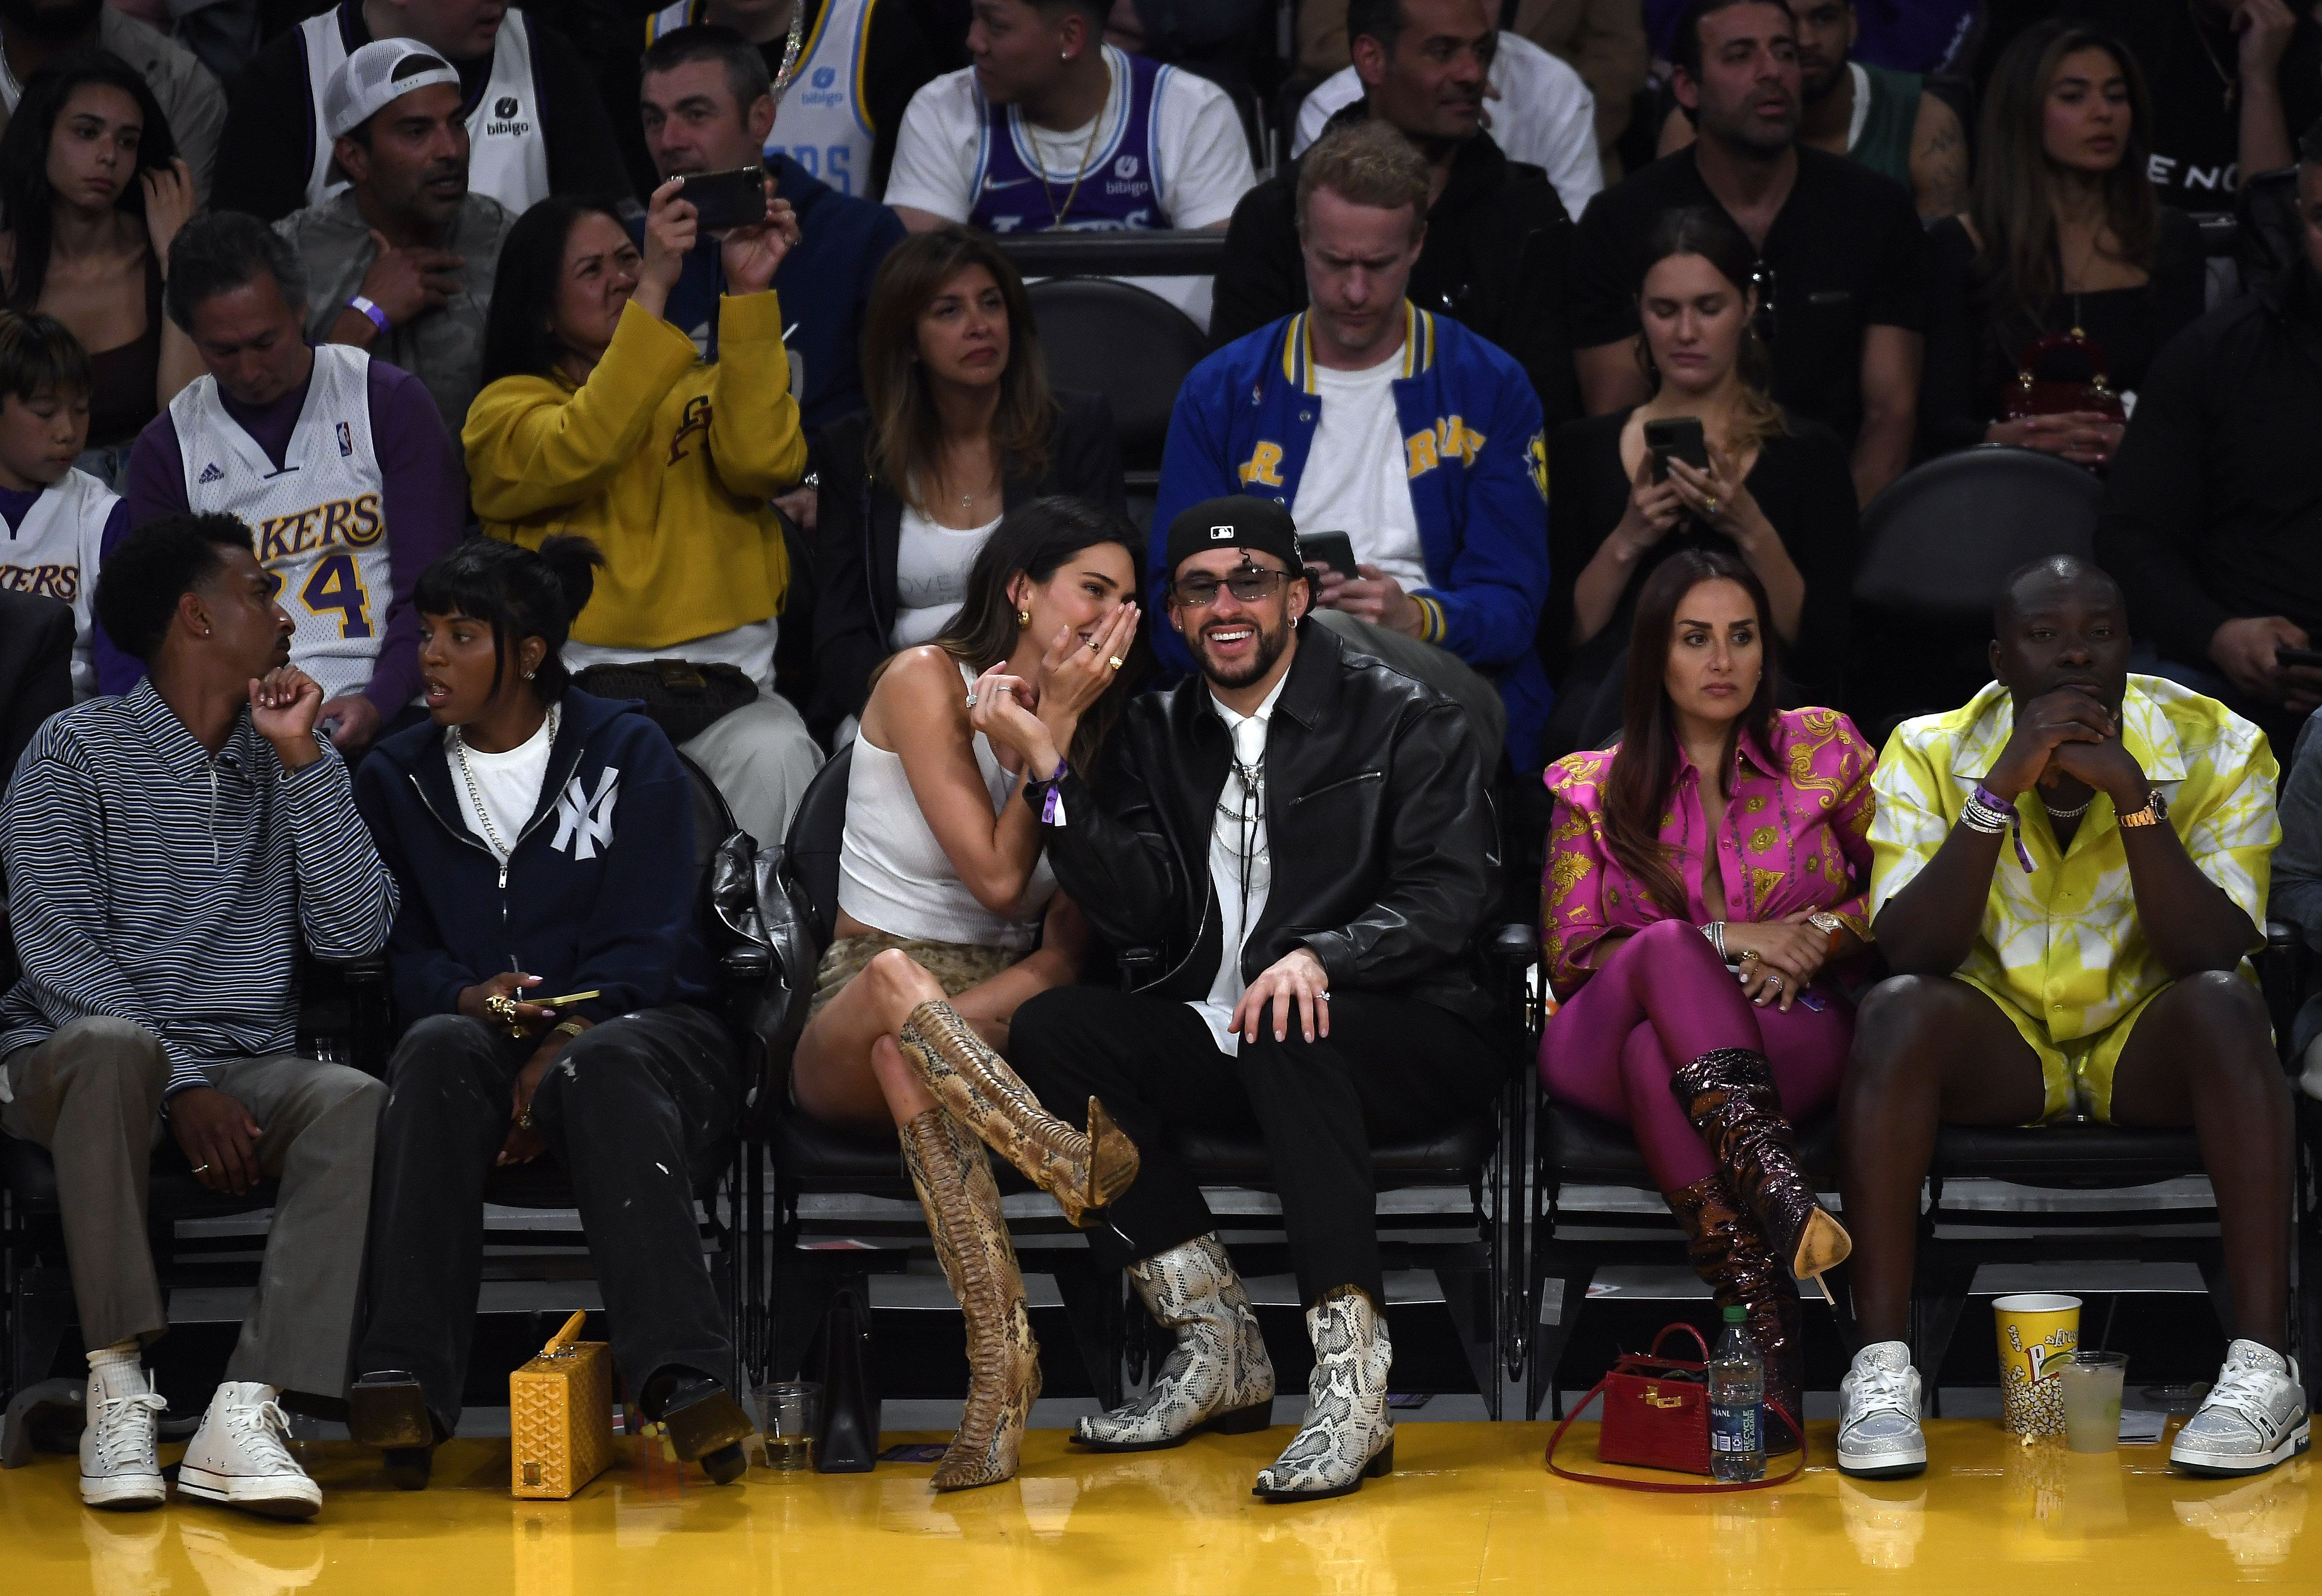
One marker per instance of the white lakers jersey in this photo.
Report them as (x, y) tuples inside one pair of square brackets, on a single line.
[(320, 522), (54, 555), (508, 159), (823, 123)]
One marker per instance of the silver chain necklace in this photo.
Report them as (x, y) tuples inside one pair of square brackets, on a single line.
[(475, 793)]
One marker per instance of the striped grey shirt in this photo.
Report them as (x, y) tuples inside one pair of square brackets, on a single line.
[(151, 882)]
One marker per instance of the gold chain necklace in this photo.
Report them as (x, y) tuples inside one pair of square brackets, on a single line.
[(1055, 217), (2232, 85)]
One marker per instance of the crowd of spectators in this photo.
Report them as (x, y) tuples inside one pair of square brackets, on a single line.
[(396, 389)]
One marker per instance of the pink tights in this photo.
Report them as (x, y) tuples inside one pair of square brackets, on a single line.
[(1662, 1000)]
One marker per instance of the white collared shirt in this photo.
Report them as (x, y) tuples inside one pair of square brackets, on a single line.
[(1237, 911)]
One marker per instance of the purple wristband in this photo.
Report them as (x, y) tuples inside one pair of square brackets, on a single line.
[(378, 317), (1998, 805), (1052, 804)]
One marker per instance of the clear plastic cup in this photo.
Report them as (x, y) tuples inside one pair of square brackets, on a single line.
[(786, 1412), (2091, 1385)]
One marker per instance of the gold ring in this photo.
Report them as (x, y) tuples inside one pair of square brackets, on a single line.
[(1114, 662), (1748, 954), (1710, 504), (1092, 644)]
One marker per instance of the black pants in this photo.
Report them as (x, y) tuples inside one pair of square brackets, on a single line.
[(1390, 1067), (636, 1111)]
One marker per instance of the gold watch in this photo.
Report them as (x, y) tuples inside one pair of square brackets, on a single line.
[(1830, 926), (2155, 811)]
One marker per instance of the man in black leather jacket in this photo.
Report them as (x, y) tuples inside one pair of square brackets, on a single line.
[(1301, 833)]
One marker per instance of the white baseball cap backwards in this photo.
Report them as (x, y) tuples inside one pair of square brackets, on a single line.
[(377, 76)]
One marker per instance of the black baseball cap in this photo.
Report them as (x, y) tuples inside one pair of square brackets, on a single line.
[(1235, 521)]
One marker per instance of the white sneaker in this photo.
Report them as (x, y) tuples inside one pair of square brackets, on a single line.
[(237, 1457), (119, 1466), (1878, 1435), (2253, 1418)]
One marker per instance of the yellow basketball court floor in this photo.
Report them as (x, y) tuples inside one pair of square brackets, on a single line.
[(1469, 1509)]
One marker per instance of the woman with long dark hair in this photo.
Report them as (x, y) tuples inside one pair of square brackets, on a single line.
[(597, 417), (524, 942), (1778, 491), (2064, 237), (949, 918), (92, 193), (1705, 879), (962, 426)]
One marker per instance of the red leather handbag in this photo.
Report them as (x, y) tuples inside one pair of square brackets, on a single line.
[(1657, 1417), (2061, 373)]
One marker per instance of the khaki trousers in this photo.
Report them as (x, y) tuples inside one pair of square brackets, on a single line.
[(92, 1095)]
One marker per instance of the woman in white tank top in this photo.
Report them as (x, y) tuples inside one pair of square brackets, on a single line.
[(942, 893)]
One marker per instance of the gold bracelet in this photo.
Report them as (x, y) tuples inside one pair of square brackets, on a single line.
[(571, 1027)]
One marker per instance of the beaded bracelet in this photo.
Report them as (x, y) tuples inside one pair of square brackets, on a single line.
[(1987, 812)]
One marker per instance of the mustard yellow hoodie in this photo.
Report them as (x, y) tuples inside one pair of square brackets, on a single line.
[(665, 462)]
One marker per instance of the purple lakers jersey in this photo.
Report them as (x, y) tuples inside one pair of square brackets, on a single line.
[(1117, 188)]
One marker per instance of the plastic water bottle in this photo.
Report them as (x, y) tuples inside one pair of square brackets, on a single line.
[(1737, 1404)]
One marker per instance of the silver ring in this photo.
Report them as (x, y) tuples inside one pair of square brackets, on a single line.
[(1710, 504), (1773, 980), (200, 1168), (971, 700)]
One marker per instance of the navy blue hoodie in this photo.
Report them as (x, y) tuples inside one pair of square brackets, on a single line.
[(598, 895)]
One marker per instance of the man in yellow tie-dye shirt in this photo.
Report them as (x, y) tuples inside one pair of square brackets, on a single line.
[(2068, 874)]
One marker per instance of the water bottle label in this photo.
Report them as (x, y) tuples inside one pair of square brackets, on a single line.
[(1734, 1428)]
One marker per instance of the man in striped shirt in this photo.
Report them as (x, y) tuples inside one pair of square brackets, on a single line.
[(166, 853)]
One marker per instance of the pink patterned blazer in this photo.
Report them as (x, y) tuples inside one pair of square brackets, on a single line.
[(1796, 837)]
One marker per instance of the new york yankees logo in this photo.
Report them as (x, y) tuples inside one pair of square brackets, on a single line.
[(587, 817)]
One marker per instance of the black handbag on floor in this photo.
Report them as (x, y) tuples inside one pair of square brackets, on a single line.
[(846, 1436)]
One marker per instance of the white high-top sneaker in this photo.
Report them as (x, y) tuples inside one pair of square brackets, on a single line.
[(1217, 1377), (1349, 1435), (2253, 1418), (119, 1466), (237, 1457), (1878, 1433)]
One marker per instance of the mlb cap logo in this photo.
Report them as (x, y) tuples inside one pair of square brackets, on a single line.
[(1219, 533)]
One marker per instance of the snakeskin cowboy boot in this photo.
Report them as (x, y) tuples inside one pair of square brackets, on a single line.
[(1730, 1097), (1082, 1170), (1348, 1437), (1218, 1377), (1727, 1249), (956, 1189)]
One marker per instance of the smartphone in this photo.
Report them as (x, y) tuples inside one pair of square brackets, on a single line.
[(558, 1002), (2308, 659), (1679, 437), (735, 199), (1333, 549)]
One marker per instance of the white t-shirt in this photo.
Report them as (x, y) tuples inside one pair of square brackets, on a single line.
[(1202, 165), (1237, 911), (1353, 480), (748, 647), (931, 565), (1545, 115), (509, 784)]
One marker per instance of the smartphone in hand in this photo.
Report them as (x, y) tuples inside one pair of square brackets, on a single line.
[(734, 198), (1677, 438), (1335, 550)]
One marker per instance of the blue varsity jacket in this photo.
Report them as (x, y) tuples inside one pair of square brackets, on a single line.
[(1474, 453)]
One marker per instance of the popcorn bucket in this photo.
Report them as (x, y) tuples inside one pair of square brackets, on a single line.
[(2038, 1334)]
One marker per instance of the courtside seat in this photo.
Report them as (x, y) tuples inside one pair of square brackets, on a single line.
[(2067, 1156)]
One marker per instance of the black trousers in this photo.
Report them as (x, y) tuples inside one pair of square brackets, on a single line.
[(1390, 1066), (636, 1112)]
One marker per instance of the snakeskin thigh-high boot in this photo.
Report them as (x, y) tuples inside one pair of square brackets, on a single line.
[(1732, 1257), (1082, 1170), (956, 1189), (1217, 1377), (1729, 1097), (1348, 1435)]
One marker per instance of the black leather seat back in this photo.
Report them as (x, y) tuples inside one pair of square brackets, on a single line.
[(1124, 343), (713, 823), (816, 830), (1941, 539)]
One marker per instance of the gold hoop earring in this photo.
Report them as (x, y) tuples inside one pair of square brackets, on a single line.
[(1023, 619)]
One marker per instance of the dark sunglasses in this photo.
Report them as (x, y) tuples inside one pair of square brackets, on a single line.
[(1248, 585)]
